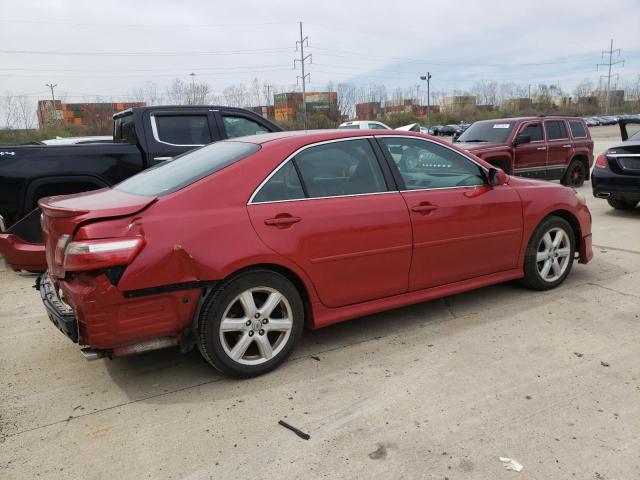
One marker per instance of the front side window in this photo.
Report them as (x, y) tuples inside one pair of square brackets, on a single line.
[(185, 169), (555, 130), (376, 126), (340, 168), (241, 127), (577, 129), (427, 165), (534, 130), (182, 129)]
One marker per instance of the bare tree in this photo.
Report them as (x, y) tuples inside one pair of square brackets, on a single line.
[(486, 92), (584, 88), (147, 93), (26, 112), (8, 107), (236, 96), (177, 93), (198, 93)]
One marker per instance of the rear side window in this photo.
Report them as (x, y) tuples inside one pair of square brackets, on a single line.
[(349, 127), (241, 127), (376, 126), (577, 130), (182, 129), (555, 130), (283, 185), (534, 130), (185, 169), (340, 168)]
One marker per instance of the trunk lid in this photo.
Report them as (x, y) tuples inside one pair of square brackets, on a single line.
[(62, 215)]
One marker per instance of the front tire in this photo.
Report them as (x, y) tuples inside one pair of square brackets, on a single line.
[(549, 254), (620, 203), (250, 325)]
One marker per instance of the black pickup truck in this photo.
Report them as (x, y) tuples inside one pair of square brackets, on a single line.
[(142, 137)]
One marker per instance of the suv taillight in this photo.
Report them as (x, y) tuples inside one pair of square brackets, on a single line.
[(601, 161), (85, 255)]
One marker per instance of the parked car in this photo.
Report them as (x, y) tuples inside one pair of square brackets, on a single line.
[(591, 122), (542, 147), (609, 120), (364, 125), (446, 130), (616, 175), (142, 137), (236, 246)]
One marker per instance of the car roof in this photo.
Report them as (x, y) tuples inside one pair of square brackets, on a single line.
[(313, 136), (541, 117)]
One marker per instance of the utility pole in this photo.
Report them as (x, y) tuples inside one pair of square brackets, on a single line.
[(304, 77), (427, 77), (529, 85), (609, 64), (193, 88), (52, 114)]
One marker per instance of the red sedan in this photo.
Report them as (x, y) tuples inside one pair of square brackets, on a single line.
[(234, 247)]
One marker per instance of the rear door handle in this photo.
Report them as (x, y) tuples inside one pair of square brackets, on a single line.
[(424, 208), (566, 146), (162, 159), (541, 148), (282, 221)]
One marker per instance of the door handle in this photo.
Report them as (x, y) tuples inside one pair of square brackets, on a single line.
[(541, 148), (424, 208), (282, 221), (566, 146), (162, 159)]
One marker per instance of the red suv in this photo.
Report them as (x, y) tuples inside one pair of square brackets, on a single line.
[(553, 148), (234, 247)]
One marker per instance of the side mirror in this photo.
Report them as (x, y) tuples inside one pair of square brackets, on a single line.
[(522, 138), (496, 176)]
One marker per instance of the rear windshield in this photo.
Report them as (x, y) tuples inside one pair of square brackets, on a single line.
[(494, 132), (185, 169), (124, 130)]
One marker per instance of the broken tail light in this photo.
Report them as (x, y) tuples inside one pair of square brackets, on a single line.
[(86, 255), (601, 161)]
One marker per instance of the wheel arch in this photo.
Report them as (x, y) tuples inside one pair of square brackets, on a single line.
[(573, 221), (289, 274)]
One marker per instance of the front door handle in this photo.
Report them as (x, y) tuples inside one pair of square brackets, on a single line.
[(566, 146), (541, 148), (424, 208), (162, 159), (282, 221)]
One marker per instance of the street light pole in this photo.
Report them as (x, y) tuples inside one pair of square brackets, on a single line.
[(427, 77), (193, 88)]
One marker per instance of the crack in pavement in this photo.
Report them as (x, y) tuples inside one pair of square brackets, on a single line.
[(613, 290), (616, 249)]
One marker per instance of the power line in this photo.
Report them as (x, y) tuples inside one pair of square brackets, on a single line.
[(147, 25), (609, 64), (150, 54), (304, 76), (128, 69)]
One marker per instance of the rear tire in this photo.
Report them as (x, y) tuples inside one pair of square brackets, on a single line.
[(575, 174), (620, 203), (549, 255), (250, 325)]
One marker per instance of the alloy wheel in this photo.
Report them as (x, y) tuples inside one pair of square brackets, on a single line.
[(553, 253), (256, 326)]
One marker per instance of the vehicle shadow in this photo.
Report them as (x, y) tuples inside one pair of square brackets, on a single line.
[(159, 377), (635, 213)]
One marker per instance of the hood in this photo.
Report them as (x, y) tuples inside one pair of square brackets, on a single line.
[(475, 146)]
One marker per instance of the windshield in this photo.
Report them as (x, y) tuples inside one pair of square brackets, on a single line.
[(494, 132), (185, 169)]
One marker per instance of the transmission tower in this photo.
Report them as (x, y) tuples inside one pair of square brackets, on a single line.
[(611, 52), (304, 77)]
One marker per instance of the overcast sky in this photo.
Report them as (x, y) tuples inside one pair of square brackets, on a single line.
[(92, 48)]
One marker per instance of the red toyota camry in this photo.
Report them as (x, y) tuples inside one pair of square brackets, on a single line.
[(236, 246)]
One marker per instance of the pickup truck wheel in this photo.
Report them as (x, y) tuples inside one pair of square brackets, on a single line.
[(549, 255), (620, 203), (250, 325), (575, 174)]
